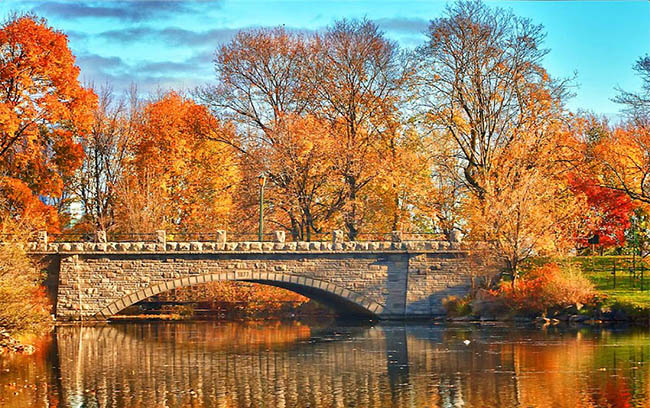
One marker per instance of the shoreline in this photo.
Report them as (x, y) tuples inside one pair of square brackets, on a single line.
[(11, 345), (576, 319)]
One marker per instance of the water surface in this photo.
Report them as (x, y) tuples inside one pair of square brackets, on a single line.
[(315, 365)]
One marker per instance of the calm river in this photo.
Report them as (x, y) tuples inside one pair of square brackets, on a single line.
[(310, 365)]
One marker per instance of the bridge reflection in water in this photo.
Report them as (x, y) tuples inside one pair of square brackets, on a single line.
[(293, 365)]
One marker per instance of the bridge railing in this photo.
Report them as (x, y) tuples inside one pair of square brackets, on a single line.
[(400, 236), (222, 240), (112, 237), (226, 236)]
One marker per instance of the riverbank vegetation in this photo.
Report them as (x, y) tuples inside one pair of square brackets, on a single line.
[(24, 306), (467, 134)]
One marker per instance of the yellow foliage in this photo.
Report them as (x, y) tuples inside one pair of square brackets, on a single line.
[(24, 307), (623, 155), (527, 208)]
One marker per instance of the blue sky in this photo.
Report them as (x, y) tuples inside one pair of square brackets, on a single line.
[(170, 44)]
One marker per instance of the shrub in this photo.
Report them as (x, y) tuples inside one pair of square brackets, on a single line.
[(547, 287), (455, 306)]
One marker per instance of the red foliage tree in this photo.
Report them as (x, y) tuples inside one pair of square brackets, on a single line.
[(609, 212)]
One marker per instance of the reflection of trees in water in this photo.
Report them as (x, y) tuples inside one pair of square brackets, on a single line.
[(534, 368), (30, 381), (258, 365), (124, 370), (226, 336)]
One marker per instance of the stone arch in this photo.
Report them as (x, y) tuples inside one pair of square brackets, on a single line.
[(333, 295)]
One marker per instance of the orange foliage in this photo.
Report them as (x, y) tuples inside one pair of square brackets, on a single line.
[(178, 179), (107, 148), (43, 109), (401, 195), (500, 121), (304, 192), (326, 107), (253, 298), (260, 88), (484, 86), (357, 81), (622, 155), (526, 208), (547, 287), (24, 305), (19, 200)]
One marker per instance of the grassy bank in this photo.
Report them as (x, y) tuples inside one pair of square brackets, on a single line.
[(624, 287), (609, 288)]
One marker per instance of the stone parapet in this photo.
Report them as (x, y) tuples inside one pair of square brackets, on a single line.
[(253, 247)]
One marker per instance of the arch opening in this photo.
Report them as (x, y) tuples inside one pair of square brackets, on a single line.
[(341, 300)]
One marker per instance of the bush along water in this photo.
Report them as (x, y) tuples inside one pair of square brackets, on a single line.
[(25, 310), (549, 293), (546, 290)]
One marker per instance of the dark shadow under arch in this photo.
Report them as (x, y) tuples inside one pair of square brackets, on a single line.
[(340, 299)]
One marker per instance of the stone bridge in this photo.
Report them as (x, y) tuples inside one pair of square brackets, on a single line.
[(394, 279)]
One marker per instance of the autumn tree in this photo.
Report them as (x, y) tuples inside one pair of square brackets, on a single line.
[(527, 208), (107, 148), (345, 83), (485, 91), (637, 104), (262, 89), (444, 205), (622, 152), (446, 191), (24, 306), (299, 164), (483, 84), (357, 79), (177, 177), (43, 112), (622, 155), (399, 198), (259, 81), (608, 212)]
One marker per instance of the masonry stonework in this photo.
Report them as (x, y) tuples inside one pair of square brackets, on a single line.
[(388, 280)]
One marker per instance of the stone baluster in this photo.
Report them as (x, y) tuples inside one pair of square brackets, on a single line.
[(337, 237), (455, 236), (100, 236), (279, 236), (161, 237), (42, 238), (221, 236)]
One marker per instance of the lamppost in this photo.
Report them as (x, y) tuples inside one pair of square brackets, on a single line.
[(262, 180)]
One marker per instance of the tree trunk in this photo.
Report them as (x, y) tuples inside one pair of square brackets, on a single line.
[(515, 274), (351, 216)]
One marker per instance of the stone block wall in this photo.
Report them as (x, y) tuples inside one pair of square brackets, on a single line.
[(432, 277)]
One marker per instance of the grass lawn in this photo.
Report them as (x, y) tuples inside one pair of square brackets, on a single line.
[(628, 290)]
